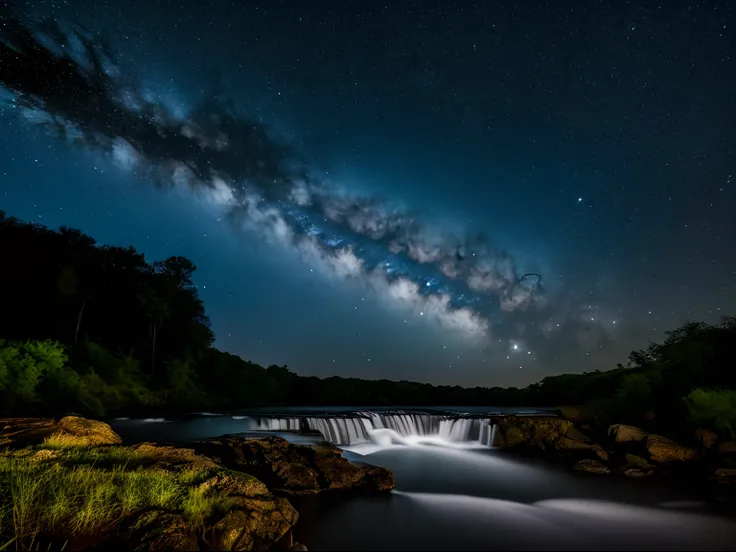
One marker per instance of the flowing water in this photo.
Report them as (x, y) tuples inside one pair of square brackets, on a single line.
[(455, 491)]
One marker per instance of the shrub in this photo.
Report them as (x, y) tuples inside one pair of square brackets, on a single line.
[(713, 407)]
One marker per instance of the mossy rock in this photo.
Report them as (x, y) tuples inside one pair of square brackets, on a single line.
[(69, 431)]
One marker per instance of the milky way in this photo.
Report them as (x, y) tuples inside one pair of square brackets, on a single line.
[(62, 78)]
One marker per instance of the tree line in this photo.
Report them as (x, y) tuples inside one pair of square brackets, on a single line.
[(99, 329)]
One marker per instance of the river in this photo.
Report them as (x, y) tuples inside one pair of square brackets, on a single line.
[(454, 491)]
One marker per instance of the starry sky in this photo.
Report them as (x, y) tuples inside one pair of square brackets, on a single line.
[(452, 192)]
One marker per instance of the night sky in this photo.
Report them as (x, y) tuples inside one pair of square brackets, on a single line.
[(474, 193)]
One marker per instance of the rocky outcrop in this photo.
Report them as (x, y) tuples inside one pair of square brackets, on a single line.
[(254, 518), (622, 433), (253, 522), (156, 530), (663, 450), (297, 469), (68, 431)]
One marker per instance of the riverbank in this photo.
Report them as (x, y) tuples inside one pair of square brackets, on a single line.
[(72, 483)]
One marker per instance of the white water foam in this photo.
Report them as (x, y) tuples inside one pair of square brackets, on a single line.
[(381, 430)]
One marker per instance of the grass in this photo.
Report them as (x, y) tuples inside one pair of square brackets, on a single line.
[(59, 490)]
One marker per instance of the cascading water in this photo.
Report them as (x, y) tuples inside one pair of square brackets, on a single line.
[(387, 428)]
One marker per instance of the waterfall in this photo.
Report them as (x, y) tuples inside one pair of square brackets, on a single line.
[(280, 424), (402, 427)]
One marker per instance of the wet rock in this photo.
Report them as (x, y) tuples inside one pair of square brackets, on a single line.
[(69, 431), (297, 469), (623, 433), (706, 437), (663, 450), (592, 466), (727, 447)]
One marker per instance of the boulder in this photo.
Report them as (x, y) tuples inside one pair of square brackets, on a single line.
[(727, 447), (706, 437), (297, 469), (254, 525), (592, 466), (663, 450), (68, 431), (623, 433)]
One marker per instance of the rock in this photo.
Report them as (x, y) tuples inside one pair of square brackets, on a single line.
[(592, 466), (663, 450), (251, 518), (169, 458), (155, 530), (623, 433), (637, 473), (68, 431), (706, 437), (298, 547), (601, 453), (539, 433), (637, 462), (297, 469), (255, 525), (727, 447)]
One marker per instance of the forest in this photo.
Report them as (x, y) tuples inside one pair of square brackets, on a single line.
[(99, 330)]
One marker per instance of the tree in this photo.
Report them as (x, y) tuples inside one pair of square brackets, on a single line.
[(157, 310)]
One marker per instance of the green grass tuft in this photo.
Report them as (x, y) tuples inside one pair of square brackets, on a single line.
[(52, 491)]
